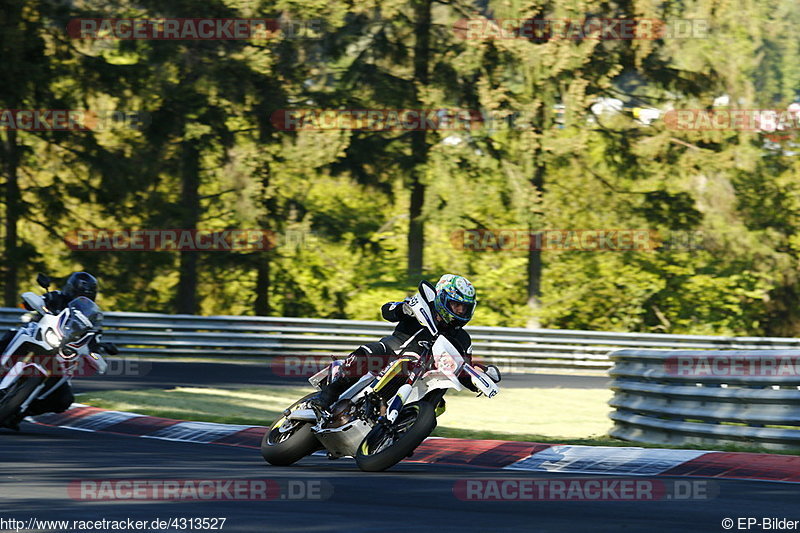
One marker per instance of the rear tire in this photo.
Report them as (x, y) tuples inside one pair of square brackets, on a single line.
[(16, 396), (282, 448), (423, 423)]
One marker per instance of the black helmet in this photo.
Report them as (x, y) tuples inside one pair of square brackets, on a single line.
[(80, 284)]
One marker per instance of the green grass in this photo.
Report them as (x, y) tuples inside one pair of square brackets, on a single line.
[(255, 406), (559, 413), (554, 416)]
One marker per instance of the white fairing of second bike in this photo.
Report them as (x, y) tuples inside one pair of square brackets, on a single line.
[(98, 362), (28, 334), (24, 334), (35, 301), (20, 369)]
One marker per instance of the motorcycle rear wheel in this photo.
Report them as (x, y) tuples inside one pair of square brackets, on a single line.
[(286, 441), (384, 447)]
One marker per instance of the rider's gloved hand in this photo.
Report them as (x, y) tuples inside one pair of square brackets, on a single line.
[(492, 371), (407, 308), (30, 316), (109, 348), (466, 381)]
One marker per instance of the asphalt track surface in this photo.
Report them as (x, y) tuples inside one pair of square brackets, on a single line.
[(136, 373), (39, 463)]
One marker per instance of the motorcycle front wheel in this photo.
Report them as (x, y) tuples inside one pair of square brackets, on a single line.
[(16, 396), (385, 446)]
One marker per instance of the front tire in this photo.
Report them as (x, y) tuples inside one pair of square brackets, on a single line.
[(287, 441), (16, 396), (384, 447)]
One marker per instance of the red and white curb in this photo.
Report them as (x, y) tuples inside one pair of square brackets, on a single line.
[(606, 460), (495, 454)]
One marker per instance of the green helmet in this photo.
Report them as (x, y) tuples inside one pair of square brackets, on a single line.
[(455, 299)]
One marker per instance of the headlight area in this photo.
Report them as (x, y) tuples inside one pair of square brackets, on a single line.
[(52, 338)]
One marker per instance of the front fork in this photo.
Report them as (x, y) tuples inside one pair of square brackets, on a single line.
[(34, 396), (393, 410), (18, 369), (399, 399)]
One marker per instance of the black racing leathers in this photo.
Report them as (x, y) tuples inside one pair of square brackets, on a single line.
[(55, 301), (407, 337)]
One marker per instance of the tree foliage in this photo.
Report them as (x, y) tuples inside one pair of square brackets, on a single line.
[(556, 141)]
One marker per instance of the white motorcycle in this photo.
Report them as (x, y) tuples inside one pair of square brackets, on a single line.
[(46, 353), (382, 418)]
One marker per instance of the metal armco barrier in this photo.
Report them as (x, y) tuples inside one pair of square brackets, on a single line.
[(707, 397), (509, 348)]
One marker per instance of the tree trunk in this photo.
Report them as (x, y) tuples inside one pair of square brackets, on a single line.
[(419, 145), (263, 268), (416, 229), (13, 212), (535, 258), (535, 252), (190, 198), (534, 273), (262, 306)]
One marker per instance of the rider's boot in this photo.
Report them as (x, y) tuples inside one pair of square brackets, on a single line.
[(13, 422), (329, 393)]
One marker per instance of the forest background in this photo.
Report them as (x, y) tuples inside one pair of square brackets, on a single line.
[(564, 131)]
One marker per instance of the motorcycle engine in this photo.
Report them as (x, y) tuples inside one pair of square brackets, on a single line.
[(341, 414)]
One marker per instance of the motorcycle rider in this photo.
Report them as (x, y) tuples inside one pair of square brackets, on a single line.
[(59, 400), (77, 284), (452, 307)]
